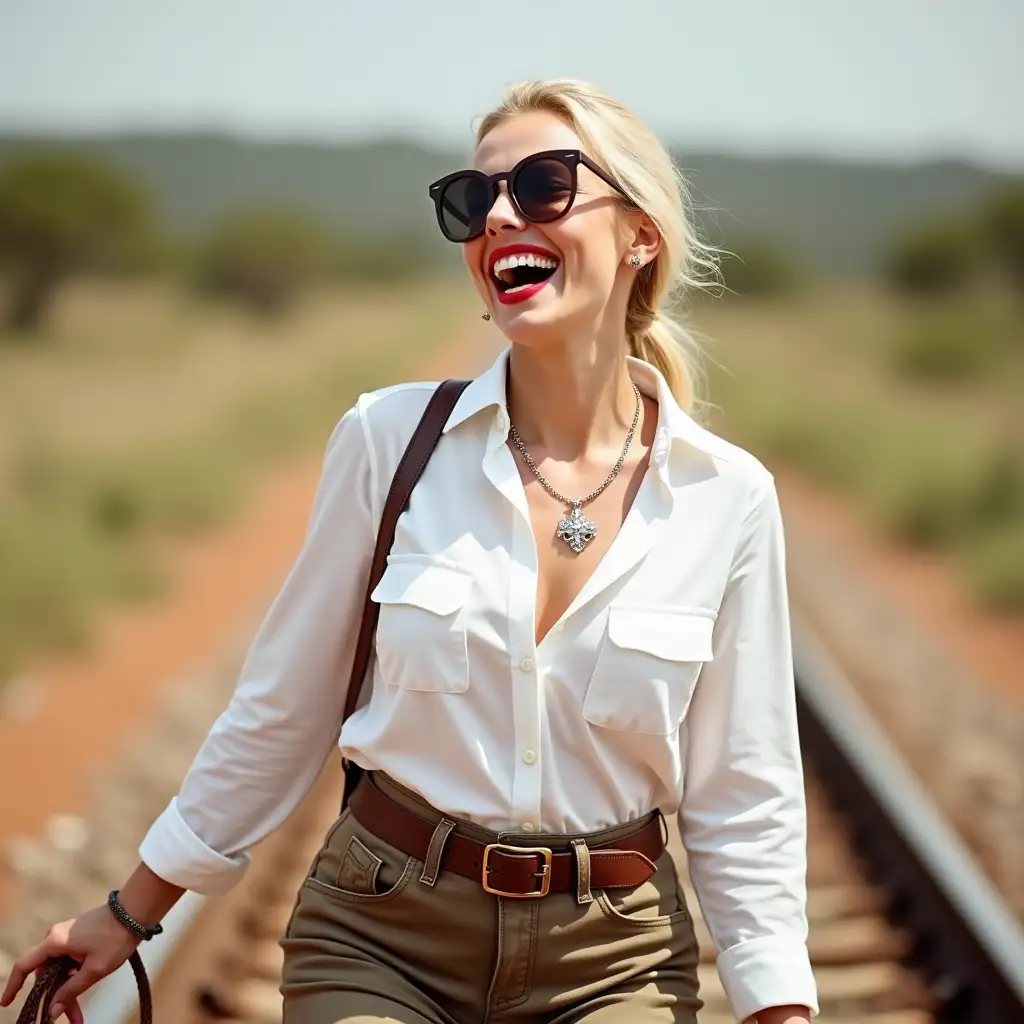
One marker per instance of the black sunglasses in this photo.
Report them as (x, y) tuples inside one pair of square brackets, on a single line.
[(541, 188)]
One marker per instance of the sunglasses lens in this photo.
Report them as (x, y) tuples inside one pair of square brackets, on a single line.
[(544, 188), (465, 202)]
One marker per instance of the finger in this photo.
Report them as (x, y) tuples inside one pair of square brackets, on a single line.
[(23, 967), (73, 1012), (69, 992), (72, 1009)]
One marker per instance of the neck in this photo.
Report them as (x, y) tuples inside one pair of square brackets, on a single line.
[(569, 399)]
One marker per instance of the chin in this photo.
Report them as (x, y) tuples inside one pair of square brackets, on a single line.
[(534, 323), (532, 331)]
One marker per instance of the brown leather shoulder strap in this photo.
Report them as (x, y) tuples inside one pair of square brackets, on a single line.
[(417, 454)]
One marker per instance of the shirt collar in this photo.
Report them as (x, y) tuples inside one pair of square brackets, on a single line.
[(675, 426)]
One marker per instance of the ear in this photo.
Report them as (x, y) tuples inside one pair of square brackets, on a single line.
[(643, 238)]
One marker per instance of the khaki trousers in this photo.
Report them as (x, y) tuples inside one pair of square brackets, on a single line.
[(378, 936)]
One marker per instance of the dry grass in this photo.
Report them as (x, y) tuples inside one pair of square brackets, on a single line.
[(842, 385), (143, 413), (124, 367)]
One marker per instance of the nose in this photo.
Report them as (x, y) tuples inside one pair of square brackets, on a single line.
[(502, 217)]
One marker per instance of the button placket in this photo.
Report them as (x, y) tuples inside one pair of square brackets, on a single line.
[(526, 693)]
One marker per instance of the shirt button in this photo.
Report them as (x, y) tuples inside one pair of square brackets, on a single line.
[(529, 756), (526, 664), (528, 826), (559, 626), (502, 421)]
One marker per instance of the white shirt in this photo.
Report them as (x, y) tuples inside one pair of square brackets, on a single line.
[(667, 683)]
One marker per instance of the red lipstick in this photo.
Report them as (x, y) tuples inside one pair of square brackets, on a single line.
[(520, 249)]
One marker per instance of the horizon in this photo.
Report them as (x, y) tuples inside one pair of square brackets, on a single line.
[(242, 136), (890, 82)]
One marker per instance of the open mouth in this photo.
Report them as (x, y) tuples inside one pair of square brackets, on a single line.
[(518, 274)]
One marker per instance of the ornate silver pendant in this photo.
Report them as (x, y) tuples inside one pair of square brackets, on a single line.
[(576, 529)]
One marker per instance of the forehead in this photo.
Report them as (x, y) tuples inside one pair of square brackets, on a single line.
[(502, 147)]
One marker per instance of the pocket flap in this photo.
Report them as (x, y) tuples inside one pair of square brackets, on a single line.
[(437, 588), (675, 634)]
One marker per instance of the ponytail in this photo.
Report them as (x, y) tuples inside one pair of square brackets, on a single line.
[(659, 339), (673, 352)]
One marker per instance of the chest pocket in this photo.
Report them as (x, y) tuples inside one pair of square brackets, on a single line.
[(421, 633), (647, 668)]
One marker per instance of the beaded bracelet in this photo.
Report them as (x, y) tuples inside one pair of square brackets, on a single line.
[(137, 929)]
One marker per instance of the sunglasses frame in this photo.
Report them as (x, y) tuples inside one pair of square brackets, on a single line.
[(569, 158)]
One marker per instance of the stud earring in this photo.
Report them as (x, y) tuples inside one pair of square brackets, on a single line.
[(635, 261), (485, 316)]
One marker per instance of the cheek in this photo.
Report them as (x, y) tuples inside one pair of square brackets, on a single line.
[(472, 252), (589, 255), (591, 269)]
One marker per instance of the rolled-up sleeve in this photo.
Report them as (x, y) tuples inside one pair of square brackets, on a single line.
[(267, 748), (743, 814)]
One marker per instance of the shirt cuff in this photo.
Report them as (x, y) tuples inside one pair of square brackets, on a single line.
[(173, 851), (768, 971)]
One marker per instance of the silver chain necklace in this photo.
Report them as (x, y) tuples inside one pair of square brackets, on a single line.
[(576, 529)]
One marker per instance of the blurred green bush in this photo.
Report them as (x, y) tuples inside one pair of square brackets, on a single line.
[(944, 255), (756, 268), (995, 563), (62, 214), (264, 258), (54, 569), (936, 258), (942, 346), (925, 485), (1004, 225), (933, 492)]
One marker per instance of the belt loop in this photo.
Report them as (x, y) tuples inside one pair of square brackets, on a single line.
[(582, 852), (432, 861)]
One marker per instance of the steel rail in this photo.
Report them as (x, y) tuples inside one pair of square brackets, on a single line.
[(967, 945)]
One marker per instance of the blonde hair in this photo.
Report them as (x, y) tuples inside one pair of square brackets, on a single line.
[(623, 145)]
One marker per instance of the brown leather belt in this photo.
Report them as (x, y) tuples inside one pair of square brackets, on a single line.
[(505, 869)]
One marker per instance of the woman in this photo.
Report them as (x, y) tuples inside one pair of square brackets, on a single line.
[(583, 625)]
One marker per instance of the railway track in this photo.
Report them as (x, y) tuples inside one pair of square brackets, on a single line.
[(903, 927)]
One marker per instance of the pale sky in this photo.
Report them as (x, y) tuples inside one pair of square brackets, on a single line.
[(865, 78)]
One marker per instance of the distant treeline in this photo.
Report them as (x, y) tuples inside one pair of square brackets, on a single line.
[(64, 213), (942, 254), (832, 215), (258, 222)]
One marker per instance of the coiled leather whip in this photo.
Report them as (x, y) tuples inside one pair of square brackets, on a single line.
[(50, 978)]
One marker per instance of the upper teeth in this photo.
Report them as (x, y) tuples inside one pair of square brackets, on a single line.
[(524, 260)]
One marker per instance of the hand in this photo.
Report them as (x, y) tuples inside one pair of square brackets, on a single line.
[(97, 940)]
